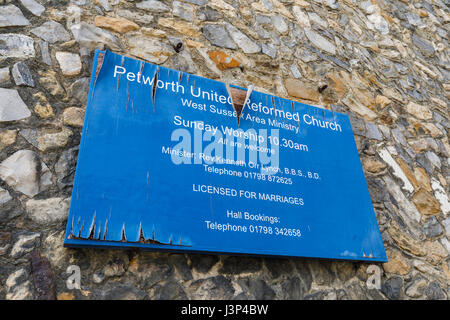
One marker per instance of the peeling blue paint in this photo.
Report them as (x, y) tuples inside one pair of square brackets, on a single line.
[(126, 193)]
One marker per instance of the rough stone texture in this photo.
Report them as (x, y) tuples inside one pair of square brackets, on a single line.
[(21, 172), (432, 228), (33, 6), (47, 139), (120, 25), (152, 50), (320, 42), (419, 111), (182, 10), (5, 237), (397, 264), (11, 16), (79, 90), (153, 5), (18, 287), (90, 37), (4, 76), (43, 278), (223, 60), (393, 288), (271, 51), (435, 292), (22, 75), (243, 41), (417, 288), (217, 35), (73, 116), (298, 89), (48, 211), (384, 63), (12, 107), (4, 196), (69, 63), (446, 224), (16, 46), (25, 243), (426, 203), (441, 196), (51, 32), (179, 27), (237, 265), (217, 287), (7, 138)]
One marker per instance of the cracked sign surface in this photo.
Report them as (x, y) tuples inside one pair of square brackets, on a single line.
[(165, 165)]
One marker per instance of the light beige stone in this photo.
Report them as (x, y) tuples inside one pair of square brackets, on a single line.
[(337, 84), (419, 111), (418, 145), (53, 140), (181, 27), (120, 25), (422, 179), (373, 166), (433, 130), (442, 180), (7, 138), (382, 101), (150, 49), (194, 44), (73, 116), (407, 171), (154, 32), (44, 110), (406, 242), (49, 81), (396, 264), (282, 9), (426, 203), (298, 89), (435, 252), (47, 211), (302, 3), (70, 63), (446, 269), (394, 95), (359, 108)]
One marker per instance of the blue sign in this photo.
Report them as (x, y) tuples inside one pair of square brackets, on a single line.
[(173, 161)]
